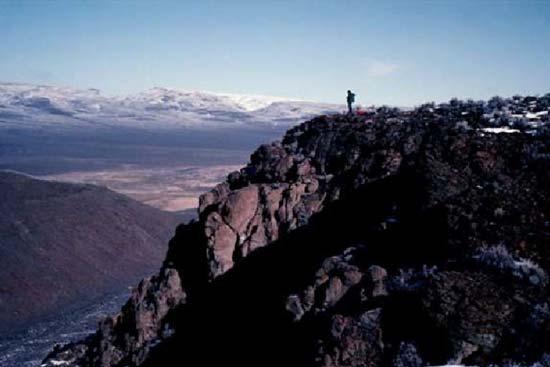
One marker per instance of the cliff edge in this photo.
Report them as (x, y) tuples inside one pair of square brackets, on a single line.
[(393, 238)]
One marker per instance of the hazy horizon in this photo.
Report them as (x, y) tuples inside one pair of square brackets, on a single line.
[(397, 53)]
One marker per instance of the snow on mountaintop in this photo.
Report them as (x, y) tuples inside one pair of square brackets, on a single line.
[(207, 99), (34, 106)]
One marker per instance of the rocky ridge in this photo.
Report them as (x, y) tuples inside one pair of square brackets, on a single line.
[(392, 238)]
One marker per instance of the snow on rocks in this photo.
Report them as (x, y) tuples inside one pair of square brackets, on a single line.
[(500, 130)]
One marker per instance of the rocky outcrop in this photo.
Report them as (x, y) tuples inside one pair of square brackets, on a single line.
[(387, 239), (242, 219), (126, 338), (142, 317), (285, 184), (353, 341), (332, 281)]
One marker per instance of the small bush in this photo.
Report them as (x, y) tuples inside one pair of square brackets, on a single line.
[(410, 279), (499, 258)]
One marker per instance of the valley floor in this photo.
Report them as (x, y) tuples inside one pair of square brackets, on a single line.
[(173, 189), (28, 348), (167, 169)]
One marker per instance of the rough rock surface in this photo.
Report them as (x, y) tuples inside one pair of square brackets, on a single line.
[(353, 341), (387, 239)]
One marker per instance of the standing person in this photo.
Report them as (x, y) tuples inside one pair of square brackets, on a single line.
[(350, 99)]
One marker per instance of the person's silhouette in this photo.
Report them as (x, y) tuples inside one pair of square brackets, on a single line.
[(350, 99)]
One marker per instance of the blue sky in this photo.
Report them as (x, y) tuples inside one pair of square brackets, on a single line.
[(391, 52)]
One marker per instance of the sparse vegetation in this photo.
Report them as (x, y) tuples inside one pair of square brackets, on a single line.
[(499, 258)]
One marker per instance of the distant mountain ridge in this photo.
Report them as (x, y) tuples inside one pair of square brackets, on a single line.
[(37, 105), (63, 244)]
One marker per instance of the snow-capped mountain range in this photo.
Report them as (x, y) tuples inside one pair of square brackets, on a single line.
[(26, 105)]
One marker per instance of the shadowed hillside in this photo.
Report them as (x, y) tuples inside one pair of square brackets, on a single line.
[(62, 245)]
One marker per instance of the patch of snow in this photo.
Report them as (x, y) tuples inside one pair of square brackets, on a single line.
[(500, 130), (253, 103), (199, 99), (55, 362), (535, 115)]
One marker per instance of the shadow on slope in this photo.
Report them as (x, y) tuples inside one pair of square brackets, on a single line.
[(241, 318)]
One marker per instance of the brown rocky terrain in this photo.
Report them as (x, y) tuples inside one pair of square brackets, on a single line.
[(64, 245), (394, 238)]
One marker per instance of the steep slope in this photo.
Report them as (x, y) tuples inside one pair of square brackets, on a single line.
[(387, 239), (62, 245)]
